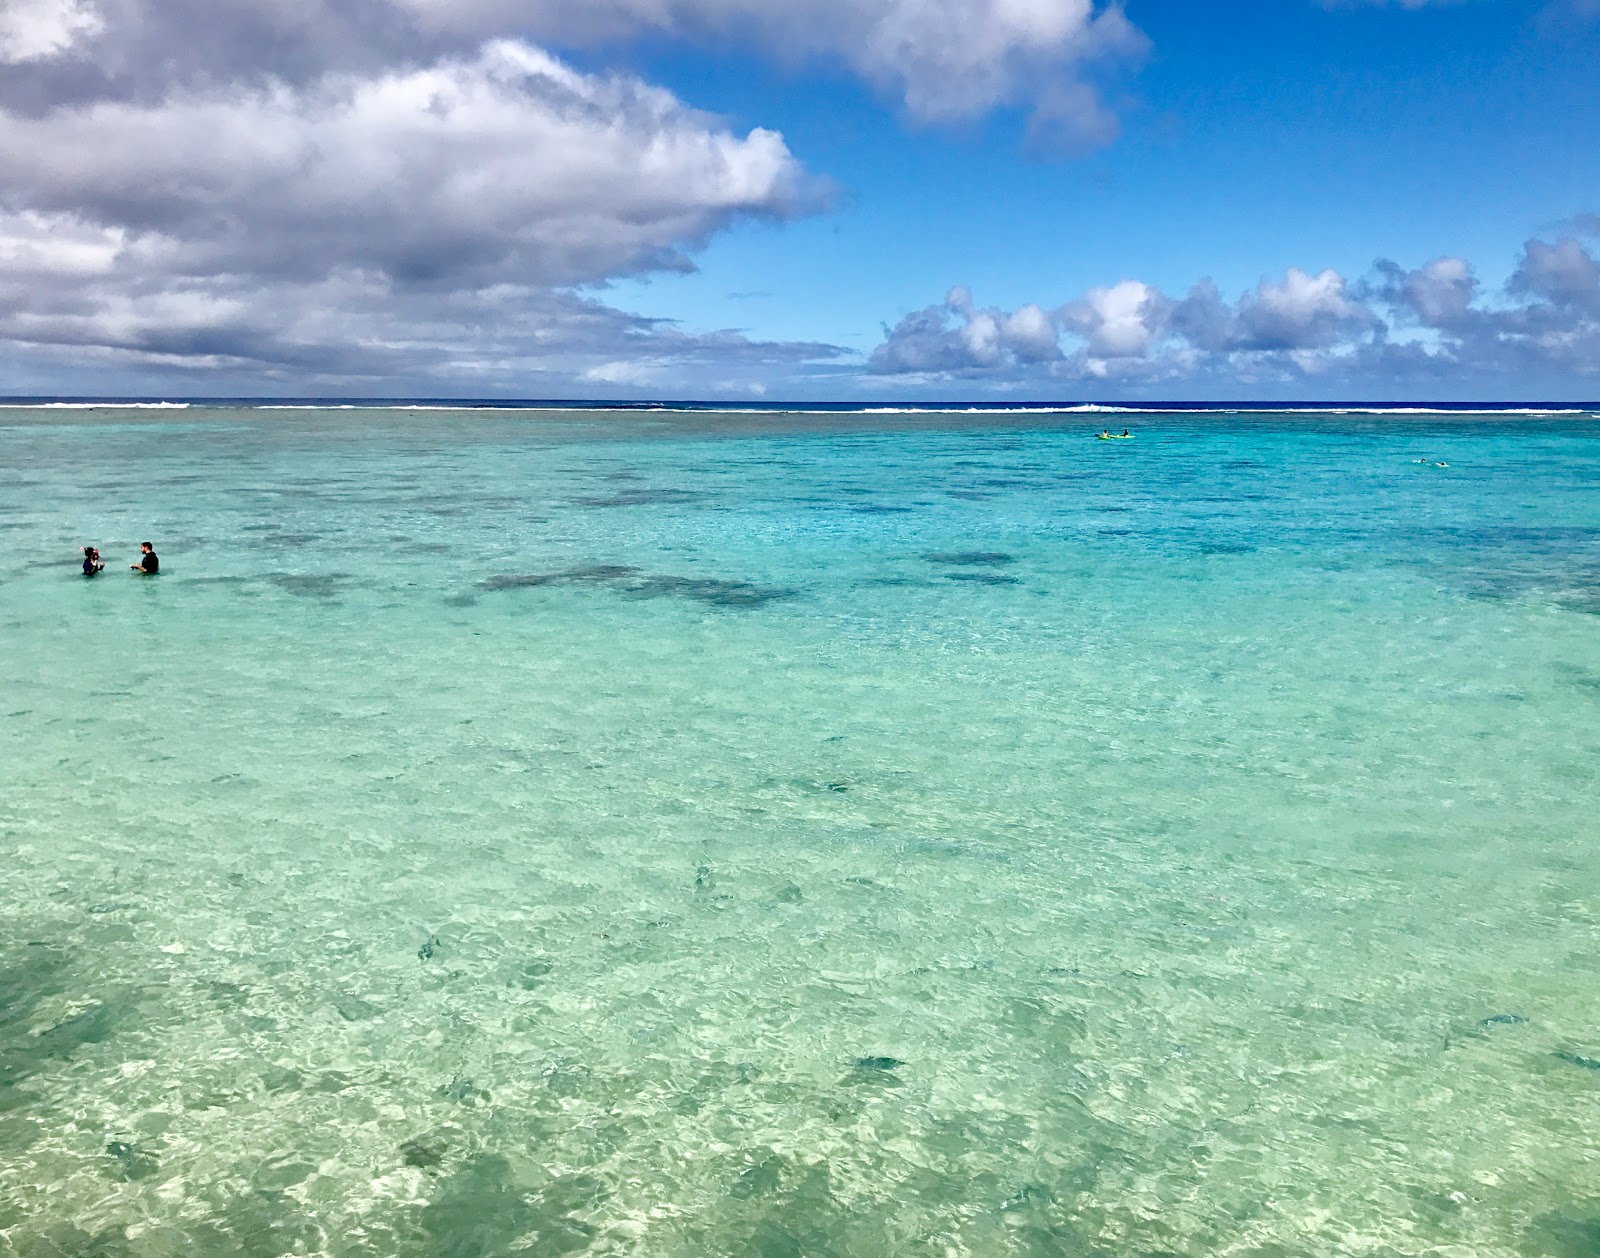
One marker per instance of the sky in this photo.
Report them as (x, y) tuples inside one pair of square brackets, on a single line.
[(836, 200)]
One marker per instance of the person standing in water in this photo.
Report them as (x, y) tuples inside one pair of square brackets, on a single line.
[(148, 564), (91, 562)]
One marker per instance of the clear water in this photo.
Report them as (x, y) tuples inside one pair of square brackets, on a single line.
[(692, 835)]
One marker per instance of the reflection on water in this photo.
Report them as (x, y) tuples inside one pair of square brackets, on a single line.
[(749, 835)]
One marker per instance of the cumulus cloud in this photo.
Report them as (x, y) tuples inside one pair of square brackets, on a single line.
[(1563, 273), (1301, 311), (34, 30), (508, 165), (942, 60), (1120, 321), (1439, 294), (185, 183), (1431, 327), (957, 336), (1030, 335), (348, 331), (409, 211)]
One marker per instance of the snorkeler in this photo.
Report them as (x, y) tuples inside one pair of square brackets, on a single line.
[(91, 561), (148, 564)]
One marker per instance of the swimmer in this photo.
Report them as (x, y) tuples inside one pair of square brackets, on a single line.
[(148, 564), (1441, 463), (91, 562)]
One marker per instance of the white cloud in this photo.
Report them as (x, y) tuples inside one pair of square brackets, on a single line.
[(957, 336), (943, 59), (1441, 291), (186, 182), (507, 165), (627, 373), (1120, 321), (34, 30), (1563, 273), (56, 246), (355, 331), (413, 214), (981, 337), (1031, 334), (1301, 311), (1424, 329)]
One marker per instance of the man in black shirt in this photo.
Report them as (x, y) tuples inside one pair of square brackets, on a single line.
[(148, 564)]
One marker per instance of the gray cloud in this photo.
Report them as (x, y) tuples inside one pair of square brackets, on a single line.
[(1429, 328), (347, 188), (1118, 322), (1563, 274), (355, 332), (1301, 312), (958, 337), (336, 193), (37, 30), (428, 219), (942, 60), (1438, 294), (507, 165)]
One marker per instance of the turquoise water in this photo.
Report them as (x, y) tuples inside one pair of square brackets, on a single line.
[(684, 834)]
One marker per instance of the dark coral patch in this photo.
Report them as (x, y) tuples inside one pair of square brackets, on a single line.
[(982, 578), (639, 498), (632, 583), (971, 558), (324, 585), (567, 576)]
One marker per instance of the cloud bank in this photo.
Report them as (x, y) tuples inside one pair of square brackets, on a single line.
[(942, 60), (427, 220), (349, 193), (419, 195), (506, 166), (1431, 331)]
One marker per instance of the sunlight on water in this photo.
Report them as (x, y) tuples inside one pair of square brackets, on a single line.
[(775, 835)]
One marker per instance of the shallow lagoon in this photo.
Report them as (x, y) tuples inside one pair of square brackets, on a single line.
[(692, 834)]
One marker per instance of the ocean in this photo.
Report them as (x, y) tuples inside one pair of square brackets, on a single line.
[(692, 832)]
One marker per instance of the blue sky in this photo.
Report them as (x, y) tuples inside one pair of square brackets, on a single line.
[(982, 199)]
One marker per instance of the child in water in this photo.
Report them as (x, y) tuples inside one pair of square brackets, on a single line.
[(91, 561)]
